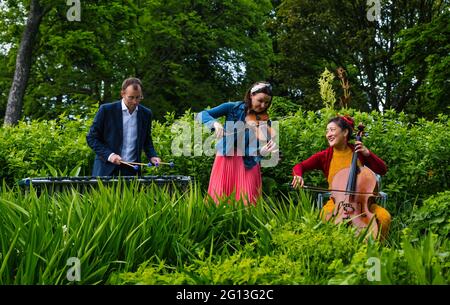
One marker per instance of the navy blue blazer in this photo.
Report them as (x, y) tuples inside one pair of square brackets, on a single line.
[(105, 136)]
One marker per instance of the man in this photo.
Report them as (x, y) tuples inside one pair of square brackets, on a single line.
[(120, 131)]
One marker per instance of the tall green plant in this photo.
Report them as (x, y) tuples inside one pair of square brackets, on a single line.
[(326, 89), (117, 228)]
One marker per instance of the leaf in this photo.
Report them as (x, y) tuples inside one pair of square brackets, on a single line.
[(75, 172), (53, 171)]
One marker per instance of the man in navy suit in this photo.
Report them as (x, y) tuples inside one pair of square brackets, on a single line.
[(120, 131)]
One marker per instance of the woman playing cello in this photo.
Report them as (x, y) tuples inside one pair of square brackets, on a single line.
[(339, 156)]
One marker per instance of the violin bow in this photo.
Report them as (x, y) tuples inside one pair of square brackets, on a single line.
[(320, 189)]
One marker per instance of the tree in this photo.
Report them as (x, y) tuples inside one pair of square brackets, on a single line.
[(199, 53), (23, 62), (189, 54), (423, 54), (312, 35), (80, 64)]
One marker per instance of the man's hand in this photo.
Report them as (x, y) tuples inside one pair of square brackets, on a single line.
[(115, 158), (155, 160)]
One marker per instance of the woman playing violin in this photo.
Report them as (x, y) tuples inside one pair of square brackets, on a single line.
[(236, 167), (339, 156)]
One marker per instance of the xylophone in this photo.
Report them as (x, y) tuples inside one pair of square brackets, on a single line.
[(84, 183)]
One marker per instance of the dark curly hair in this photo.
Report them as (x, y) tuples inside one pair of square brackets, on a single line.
[(344, 122)]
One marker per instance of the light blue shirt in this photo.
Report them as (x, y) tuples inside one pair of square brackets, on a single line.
[(129, 141)]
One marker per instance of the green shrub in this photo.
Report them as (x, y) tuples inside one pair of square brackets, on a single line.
[(165, 136), (316, 247), (237, 269), (32, 149), (417, 153), (422, 261), (433, 215), (302, 253)]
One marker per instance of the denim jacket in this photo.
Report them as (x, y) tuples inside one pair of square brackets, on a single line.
[(233, 112)]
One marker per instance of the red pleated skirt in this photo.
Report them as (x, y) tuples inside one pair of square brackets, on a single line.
[(229, 175)]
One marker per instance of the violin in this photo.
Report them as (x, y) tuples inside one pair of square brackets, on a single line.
[(352, 205), (259, 122)]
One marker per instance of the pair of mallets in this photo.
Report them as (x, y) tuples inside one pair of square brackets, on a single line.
[(135, 165)]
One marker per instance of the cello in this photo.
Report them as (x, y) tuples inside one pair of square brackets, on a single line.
[(352, 205)]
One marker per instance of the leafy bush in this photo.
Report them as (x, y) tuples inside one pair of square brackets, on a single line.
[(167, 137), (239, 268), (32, 149), (433, 215), (417, 153), (316, 247), (424, 262), (302, 253)]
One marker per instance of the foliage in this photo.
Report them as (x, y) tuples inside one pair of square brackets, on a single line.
[(316, 247), (424, 262), (306, 254), (413, 173), (195, 54), (416, 154), (181, 141), (282, 107), (433, 215), (423, 54), (313, 34), (239, 268), (45, 148), (116, 228), (132, 234), (188, 54), (296, 259), (326, 90)]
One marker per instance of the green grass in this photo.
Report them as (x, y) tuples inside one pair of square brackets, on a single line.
[(128, 234)]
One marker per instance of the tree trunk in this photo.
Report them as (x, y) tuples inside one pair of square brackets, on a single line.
[(23, 64)]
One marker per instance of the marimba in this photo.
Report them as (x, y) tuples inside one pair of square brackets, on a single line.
[(84, 183)]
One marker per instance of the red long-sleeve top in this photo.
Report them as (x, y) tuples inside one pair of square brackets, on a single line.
[(322, 160)]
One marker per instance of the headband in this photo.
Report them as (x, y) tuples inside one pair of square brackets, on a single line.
[(349, 121), (260, 86)]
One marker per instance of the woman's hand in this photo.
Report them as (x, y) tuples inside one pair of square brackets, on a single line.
[(218, 129), (268, 148), (359, 147), (297, 181)]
